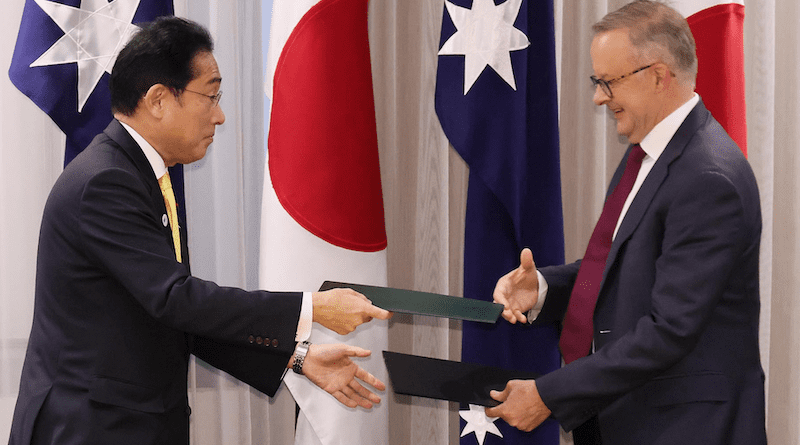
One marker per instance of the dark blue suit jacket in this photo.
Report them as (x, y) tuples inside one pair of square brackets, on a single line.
[(116, 317), (676, 325)]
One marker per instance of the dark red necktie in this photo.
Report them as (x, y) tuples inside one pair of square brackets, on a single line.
[(576, 334)]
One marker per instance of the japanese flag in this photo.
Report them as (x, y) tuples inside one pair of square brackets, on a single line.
[(718, 28), (322, 216)]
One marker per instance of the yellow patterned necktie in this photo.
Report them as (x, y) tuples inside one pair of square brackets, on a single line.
[(172, 212)]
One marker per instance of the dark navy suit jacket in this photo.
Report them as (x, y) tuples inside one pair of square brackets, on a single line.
[(116, 316), (676, 356)]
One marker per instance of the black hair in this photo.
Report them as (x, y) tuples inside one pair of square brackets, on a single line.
[(162, 52)]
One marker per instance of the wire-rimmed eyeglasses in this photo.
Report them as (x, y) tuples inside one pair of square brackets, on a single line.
[(214, 98)]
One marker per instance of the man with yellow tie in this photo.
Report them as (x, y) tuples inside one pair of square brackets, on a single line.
[(117, 311)]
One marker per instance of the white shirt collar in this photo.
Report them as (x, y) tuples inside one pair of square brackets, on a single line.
[(156, 162), (656, 141)]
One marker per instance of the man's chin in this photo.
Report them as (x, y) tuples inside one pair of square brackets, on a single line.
[(197, 155), (622, 130)]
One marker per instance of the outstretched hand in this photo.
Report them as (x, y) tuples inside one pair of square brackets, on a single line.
[(342, 310), (518, 290), (330, 368)]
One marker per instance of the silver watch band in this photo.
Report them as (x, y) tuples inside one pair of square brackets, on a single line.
[(300, 356)]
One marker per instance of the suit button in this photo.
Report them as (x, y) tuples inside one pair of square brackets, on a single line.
[(188, 410), (251, 339), (274, 342), (259, 340), (266, 341)]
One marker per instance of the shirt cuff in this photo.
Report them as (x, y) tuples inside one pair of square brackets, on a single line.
[(533, 314), (306, 318)]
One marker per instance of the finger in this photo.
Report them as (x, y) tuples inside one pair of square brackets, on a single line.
[(499, 298), (364, 403), (519, 316), (376, 312), (496, 411), (364, 392), (344, 400), (370, 379), (353, 395)]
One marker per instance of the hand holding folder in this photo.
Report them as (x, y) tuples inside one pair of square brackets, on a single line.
[(467, 383), (424, 303)]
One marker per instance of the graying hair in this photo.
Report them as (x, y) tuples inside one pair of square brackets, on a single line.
[(655, 30)]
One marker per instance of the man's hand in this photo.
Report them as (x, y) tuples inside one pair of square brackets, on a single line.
[(521, 405), (518, 290), (342, 310), (330, 368)]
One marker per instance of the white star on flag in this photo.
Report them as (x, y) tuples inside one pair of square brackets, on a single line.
[(485, 36), (93, 37), (479, 423)]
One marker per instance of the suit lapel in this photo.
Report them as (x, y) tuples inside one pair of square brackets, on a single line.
[(696, 118), (118, 134)]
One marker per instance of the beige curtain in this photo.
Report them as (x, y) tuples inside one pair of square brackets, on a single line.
[(424, 191), (424, 186)]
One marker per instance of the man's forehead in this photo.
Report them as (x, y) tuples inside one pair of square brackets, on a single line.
[(610, 51), (614, 42), (206, 67)]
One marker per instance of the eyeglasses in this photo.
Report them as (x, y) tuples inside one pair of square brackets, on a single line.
[(214, 99), (605, 85)]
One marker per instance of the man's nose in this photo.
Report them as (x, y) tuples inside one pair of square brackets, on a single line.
[(219, 115), (600, 97)]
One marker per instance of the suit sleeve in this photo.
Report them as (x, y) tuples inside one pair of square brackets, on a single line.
[(560, 280), (261, 369), (704, 236), (120, 227)]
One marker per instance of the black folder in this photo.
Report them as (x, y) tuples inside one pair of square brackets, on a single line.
[(466, 383), (425, 303)]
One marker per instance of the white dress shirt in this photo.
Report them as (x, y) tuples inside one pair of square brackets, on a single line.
[(653, 145), (159, 168)]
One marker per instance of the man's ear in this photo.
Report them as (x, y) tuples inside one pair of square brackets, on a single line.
[(156, 99), (664, 77)]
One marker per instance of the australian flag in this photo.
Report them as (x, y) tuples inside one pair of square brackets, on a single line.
[(497, 102), (63, 58)]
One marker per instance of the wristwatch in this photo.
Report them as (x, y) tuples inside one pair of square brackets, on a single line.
[(300, 356)]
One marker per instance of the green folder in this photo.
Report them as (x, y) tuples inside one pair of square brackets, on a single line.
[(424, 303)]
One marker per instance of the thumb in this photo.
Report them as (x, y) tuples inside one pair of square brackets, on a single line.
[(376, 312), (355, 351), (526, 259), (498, 395)]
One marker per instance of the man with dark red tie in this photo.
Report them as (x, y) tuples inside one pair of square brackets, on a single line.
[(659, 320)]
